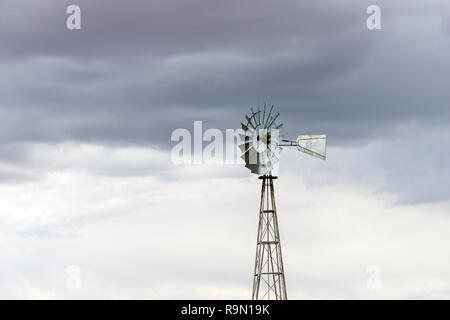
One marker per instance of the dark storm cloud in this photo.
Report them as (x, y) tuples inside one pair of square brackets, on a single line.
[(136, 71), (167, 27)]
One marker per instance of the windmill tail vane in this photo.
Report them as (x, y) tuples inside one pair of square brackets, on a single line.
[(261, 145)]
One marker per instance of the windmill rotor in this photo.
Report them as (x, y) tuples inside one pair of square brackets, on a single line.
[(260, 142)]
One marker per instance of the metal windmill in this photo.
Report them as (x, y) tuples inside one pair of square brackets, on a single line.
[(261, 146)]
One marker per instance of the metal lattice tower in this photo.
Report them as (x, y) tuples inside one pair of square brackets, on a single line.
[(268, 279)]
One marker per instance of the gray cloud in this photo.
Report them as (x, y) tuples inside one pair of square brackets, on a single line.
[(135, 72)]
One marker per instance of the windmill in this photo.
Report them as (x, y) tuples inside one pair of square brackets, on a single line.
[(261, 146)]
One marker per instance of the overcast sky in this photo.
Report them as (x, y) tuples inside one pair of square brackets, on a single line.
[(86, 177)]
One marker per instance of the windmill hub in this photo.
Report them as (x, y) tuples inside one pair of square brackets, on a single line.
[(261, 146), (260, 140)]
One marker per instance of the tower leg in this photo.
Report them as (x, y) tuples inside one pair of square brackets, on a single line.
[(268, 278)]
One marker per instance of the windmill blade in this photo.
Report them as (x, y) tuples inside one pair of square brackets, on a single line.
[(273, 121), (245, 147), (246, 140), (269, 117), (245, 143), (253, 168), (247, 134), (268, 158), (257, 169), (249, 121), (251, 157), (264, 158), (256, 116), (264, 114), (274, 154), (313, 144), (259, 115), (244, 127), (253, 117)]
